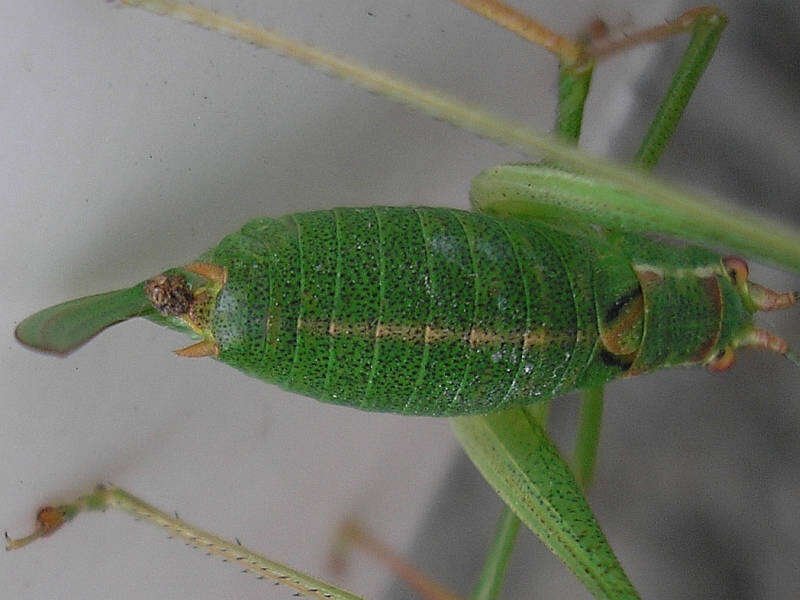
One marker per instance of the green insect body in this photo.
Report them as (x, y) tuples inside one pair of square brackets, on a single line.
[(547, 288), (410, 310), (433, 311), (444, 312)]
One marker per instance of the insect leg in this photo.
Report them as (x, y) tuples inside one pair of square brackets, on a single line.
[(575, 74), (576, 65), (574, 80), (568, 51), (351, 535), (747, 233), (707, 25), (514, 453), (588, 437), (51, 518)]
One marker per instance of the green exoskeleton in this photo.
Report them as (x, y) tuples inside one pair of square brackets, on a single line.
[(603, 337), (439, 312)]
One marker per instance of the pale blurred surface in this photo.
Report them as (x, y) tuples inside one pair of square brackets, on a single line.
[(131, 143)]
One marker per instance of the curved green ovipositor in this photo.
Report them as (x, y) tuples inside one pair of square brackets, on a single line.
[(62, 328)]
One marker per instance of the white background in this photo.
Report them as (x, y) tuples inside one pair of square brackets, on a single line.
[(130, 143)]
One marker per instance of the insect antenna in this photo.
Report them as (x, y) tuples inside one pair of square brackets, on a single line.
[(681, 213)]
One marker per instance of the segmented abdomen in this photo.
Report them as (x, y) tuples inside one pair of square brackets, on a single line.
[(412, 310)]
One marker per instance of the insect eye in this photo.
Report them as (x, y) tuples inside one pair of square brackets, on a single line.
[(722, 361), (737, 269)]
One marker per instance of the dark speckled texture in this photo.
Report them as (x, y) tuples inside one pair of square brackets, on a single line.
[(432, 311)]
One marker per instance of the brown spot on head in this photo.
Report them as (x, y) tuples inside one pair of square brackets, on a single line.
[(169, 294)]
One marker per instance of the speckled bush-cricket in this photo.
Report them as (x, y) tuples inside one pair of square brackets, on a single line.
[(477, 336)]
